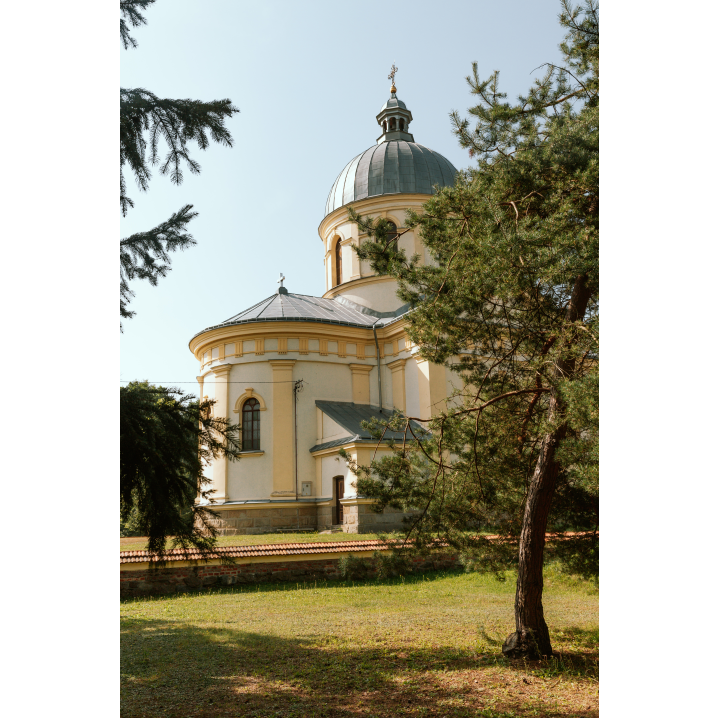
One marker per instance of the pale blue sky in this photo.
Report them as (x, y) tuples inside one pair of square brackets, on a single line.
[(308, 79)]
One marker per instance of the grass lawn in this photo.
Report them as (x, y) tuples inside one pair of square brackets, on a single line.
[(418, 646), (139, 543)]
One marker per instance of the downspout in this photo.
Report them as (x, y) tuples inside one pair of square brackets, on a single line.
[(378, 363), (296, 450)]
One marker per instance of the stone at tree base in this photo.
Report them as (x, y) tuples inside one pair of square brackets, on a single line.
[(521, 644)]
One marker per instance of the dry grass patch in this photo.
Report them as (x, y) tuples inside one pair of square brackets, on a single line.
[(420, 646)]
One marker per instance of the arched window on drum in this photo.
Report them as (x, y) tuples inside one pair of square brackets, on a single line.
[(250, 425), (338, 261), (392, 234)]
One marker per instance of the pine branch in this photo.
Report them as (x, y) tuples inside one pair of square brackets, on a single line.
[(507, 243), (177, 122), (130, 11), (146, 255), (161, 470)]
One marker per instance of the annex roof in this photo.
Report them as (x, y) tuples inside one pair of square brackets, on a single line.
[(350, 417), (284, 306)]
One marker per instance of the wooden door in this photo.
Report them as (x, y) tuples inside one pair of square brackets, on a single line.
[(340, 495)]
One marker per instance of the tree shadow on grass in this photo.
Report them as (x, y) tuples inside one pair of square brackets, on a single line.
[(176, 669)]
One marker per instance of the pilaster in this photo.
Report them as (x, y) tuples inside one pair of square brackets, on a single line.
[(398, 384), (432, 388), (360, 382), (283, 484), (221, 409)]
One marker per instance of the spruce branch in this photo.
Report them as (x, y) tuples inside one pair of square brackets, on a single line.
[(130, 11), (146, 255), (176, 122), (167, 439), (146, 121), (495, 302)]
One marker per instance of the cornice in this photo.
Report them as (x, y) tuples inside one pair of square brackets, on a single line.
[(282, 362), (304, 331), (396, 364), (296, 329), (221, 369), (353, 283), (349, 445), (361, 368), (380, 203)]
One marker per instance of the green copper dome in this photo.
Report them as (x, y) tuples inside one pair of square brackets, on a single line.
[(395, 165)]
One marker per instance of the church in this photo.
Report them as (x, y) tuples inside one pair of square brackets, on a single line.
[(301, 373)]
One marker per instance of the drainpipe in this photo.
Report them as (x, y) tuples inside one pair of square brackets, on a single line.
[(378, 363), (297, 389)]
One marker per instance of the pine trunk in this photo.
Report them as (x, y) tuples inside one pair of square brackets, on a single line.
[(531, 638)]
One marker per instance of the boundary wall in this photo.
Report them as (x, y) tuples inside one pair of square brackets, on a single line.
[(185, 571)]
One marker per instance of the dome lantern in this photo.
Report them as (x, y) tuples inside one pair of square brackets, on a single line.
[(394, 119)]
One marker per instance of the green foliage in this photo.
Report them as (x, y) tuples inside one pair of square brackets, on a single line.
[(380, 566), (140, 252), (354, 568), (130, 12), (129, 525), (166, 441), (391, 565), (148, 122), (509, 302)]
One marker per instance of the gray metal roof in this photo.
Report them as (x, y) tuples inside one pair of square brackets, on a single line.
[(393, 101), (285, 307), (392, 167), (350, 416)]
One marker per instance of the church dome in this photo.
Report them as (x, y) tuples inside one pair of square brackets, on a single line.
[(395, 165)]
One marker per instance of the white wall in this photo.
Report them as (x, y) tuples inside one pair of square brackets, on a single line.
[(379, 296), (333, 466), (251, 477)]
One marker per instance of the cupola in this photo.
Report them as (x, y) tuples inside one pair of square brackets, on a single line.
[(394, 119)]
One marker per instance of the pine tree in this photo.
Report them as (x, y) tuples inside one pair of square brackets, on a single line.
[(147, 121), (166, 441), (510, 303), (167, 438)]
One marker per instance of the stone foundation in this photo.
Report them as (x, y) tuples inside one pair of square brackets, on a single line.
[(325, 517), (358, 518), (232, 522)]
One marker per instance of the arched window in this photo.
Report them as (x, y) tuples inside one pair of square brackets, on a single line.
[(392, 234), (401, 124), (250, 425), (392, 124), (338, 261), (383, 125)]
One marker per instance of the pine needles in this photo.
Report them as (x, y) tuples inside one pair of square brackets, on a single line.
[(147, 124)]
